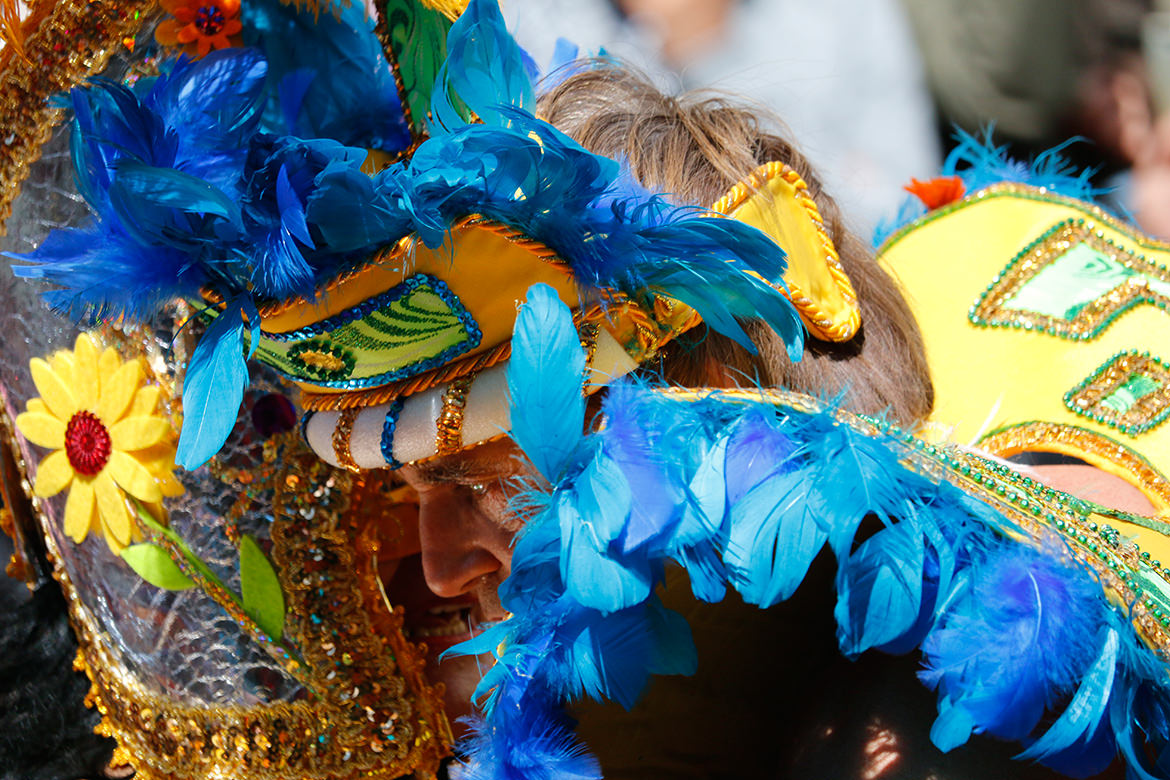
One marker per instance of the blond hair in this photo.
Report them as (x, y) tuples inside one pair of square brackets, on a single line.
[(698, 146)]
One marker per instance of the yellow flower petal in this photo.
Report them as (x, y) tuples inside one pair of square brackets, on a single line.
[(42, 429), (169, 486), (111, 505), (53, 474), (118, 392), (112, 542), (54, 392), (132, 477), (136, 433), (85, 372), (108, 364), (80, 510), (62, 364), (145, 400), (160, 462), (35, 405)]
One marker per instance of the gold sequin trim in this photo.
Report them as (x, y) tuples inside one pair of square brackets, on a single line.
[(361, 724), (342, 434), (1080, 443), (588, 333), (449, 425), (994, 309), (1094, 398), (64, 44)]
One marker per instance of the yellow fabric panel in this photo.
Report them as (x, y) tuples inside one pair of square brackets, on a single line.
[(784, 211), (989, 377), (494, 274)]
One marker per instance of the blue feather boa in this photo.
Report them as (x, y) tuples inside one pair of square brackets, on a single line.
[(1018, 637)]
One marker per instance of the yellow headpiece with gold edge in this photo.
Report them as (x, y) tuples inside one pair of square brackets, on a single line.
[(486, 268), (1046, 329)]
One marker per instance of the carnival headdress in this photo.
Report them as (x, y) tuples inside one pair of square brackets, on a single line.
[(285, 192), (389, 276)]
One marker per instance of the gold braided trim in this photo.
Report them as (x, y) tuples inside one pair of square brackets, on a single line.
[(341, 438), (825, 326), (63, 44), (317, 402), (650, 334), (1099, 450), (449, 425)]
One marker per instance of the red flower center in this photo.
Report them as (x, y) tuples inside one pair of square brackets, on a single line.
[(209, 20), (87, 443)]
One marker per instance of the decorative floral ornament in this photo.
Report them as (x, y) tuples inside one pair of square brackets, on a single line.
[(108, 442), (200, 25)]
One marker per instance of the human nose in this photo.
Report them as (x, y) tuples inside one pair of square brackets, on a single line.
[(460, 542)]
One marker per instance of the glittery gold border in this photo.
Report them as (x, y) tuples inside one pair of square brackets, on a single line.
[(1094, 448), (1016, 190), (363, 726), (75, 40), (1148, 411), (992, 310)]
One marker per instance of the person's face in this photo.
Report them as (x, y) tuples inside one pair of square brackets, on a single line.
[(465, 541)]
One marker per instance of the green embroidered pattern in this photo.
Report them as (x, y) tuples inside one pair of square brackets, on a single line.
[(1130, 392), (416, 41), (1071, 282), (415, 326)]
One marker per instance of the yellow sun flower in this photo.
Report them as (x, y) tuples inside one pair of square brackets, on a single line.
[(99, 419)]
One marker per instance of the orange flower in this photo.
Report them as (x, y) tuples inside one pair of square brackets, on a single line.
[(200, 25), (938, 192)]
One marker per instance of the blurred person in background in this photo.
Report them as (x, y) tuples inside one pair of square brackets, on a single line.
[(844, 76)]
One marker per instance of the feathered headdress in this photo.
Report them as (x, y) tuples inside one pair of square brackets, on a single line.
[(280, 189)]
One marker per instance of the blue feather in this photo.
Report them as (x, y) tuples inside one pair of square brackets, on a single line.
[(351, 98), (993, 652), (485, 69), (1080, 725), (545, 375), (880, 589), (540, 747), (980, 163), (103, 274), (213, 386)]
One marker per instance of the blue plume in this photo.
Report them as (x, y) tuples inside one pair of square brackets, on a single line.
[(993, 657), (1082, 728), (213, 386), (485, 70), (981, 164), (880, 589), (101, 273), (331, 73), (1012, 636), (545, 376), (539, 747), (213, 105)]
